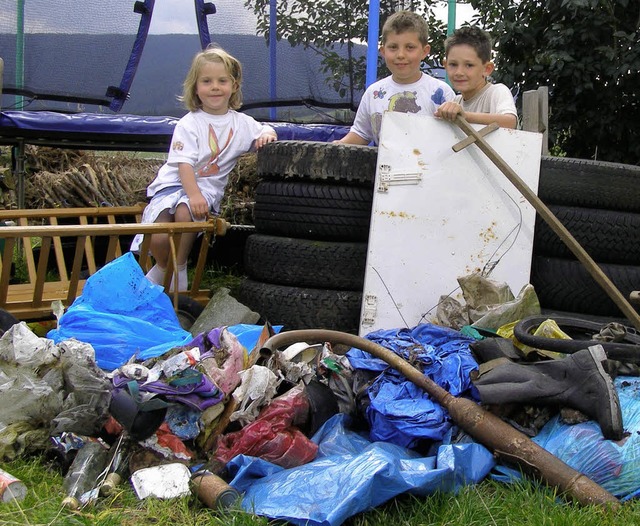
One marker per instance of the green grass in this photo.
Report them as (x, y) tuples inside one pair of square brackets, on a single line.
[(485, 504)]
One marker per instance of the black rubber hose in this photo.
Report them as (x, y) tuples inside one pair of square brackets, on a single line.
[(627, 351)]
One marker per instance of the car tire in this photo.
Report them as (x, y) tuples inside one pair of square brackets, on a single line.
[(313, 160), (566, 285), (608, 236), (303, 308), (305, 263), (589, 184), (313, 211)]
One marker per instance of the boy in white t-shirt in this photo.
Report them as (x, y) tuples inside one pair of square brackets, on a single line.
[(468, 64), (404, 46)]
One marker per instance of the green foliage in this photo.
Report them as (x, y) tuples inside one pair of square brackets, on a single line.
[(333, 27), (588, 53)]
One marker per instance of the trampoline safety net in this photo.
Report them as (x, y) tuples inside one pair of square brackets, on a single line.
[(96, 56)]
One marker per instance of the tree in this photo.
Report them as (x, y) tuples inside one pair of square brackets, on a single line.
[(333, 27), (588, 53)]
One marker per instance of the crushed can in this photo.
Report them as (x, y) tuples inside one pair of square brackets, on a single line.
[(11, 488), (212, 490)]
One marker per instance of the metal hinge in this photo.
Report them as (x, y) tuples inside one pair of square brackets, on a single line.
[(370, 309), (387, 178)]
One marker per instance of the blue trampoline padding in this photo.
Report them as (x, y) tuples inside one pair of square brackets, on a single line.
[(54, 124)]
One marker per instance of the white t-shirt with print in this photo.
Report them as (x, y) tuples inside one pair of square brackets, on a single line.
[(212, 145), (423, 96)]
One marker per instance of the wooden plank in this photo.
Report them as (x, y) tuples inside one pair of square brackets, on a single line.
[(99, 211), (202, 259), (43, 260), (75, 270), (88, 249), (57, 247), (7, 259), (27, 250), (105, 230)]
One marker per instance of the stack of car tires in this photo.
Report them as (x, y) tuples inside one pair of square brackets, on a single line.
[(599, 203), (305, 263)]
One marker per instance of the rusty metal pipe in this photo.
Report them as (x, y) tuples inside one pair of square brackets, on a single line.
[(498, 436)]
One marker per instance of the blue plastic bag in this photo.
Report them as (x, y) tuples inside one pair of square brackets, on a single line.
[(121, 314), (613, 465), (351, 475), (399, 412)]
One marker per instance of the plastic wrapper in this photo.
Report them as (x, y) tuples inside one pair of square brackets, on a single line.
[(613, 465), (122, 314), (223, 357), (400, 412), (548, 329), (350, 475), (257, 388), (273, 436), (57, 387)]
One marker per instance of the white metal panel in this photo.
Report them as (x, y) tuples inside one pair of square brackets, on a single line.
[(438, 215)]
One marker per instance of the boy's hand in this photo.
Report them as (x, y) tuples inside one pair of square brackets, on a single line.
[(265, 138), (449, 111)]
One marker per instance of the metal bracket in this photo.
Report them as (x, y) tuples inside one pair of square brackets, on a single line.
[(387, 178), (370, 309)]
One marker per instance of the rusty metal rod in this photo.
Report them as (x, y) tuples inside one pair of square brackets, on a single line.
[(576, 248), (498, 436)]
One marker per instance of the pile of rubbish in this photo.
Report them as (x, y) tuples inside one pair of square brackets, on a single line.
[(312, 433)]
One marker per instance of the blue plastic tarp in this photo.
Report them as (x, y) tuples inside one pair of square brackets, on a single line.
[(122, 314), (613, 465), (399, 412), (351, 474)]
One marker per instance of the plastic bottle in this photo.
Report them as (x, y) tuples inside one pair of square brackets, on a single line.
[(118, 470), (83, 474), (180, 362), (212, 490)]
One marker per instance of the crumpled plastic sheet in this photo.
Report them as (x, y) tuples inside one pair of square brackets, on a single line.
[(221, 342), (257, 388), (52, 387), (122, 314), (352, 474), (400, 412), (613, 465), (273, 436)]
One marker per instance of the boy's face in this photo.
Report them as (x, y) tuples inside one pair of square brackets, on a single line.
[(466, 71), (403, 53)]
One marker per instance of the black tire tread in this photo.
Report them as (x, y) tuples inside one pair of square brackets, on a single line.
[(313, 211), (313, 160), (608, 236), (306, 263), (565, 285), (303, 308), (590, 184)]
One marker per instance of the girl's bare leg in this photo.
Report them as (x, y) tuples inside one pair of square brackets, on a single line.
[(160, 250)]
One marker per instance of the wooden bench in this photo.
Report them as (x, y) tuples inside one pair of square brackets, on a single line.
[(81, 234)]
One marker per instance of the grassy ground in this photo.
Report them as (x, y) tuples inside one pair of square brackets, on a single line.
[(489, 503)]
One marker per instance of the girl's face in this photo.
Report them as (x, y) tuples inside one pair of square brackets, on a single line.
[(214, 88)]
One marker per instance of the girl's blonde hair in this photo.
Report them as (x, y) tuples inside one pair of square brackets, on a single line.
[(212, 54)]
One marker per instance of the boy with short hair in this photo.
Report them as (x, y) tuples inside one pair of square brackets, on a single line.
[(468, 64), (404, 46)]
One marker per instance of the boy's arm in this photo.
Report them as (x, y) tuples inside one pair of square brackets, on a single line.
[(353, 138), (450, 110)]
